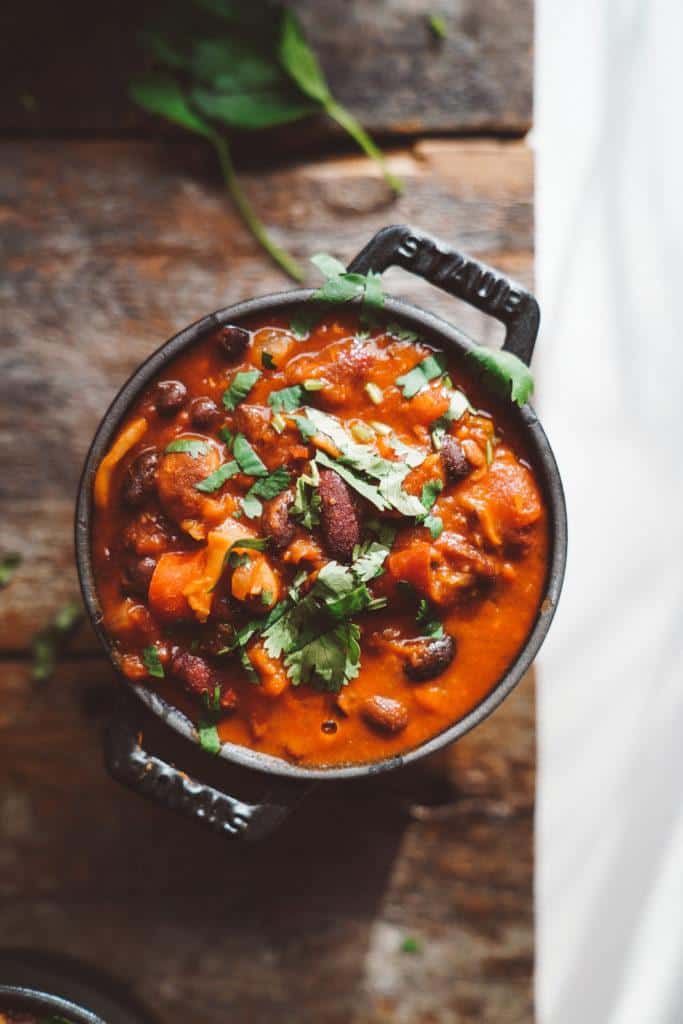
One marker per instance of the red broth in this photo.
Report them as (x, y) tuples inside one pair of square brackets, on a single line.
[(392, 625)]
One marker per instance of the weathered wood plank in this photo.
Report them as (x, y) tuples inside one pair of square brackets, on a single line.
[(306, 926), (381, 60), (109, 248)]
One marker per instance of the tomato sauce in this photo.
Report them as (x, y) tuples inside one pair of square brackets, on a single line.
[(395, 621)]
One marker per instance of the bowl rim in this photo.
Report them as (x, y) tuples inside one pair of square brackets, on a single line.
[(33, 1000), (435, 330)]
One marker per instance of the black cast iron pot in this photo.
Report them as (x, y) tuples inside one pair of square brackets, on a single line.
[(43, 1006), (460, 275)]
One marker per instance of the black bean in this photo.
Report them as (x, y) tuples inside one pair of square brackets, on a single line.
[(455, 462), (169, 396), (203, 412), (141, 477), (233, 340), (427, 656), (137, 576)]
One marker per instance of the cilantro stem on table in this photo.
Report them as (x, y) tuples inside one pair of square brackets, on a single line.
[(48, 644), (247, 67)]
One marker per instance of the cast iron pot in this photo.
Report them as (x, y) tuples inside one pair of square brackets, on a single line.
[(44, 1006), (468, 279)]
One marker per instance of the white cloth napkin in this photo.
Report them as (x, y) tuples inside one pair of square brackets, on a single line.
[(609, 141)]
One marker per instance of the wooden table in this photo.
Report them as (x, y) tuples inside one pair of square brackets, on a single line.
[(108, 248)]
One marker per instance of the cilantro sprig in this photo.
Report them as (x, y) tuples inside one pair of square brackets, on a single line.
[(313, 633), (239, 66), (506, 370)]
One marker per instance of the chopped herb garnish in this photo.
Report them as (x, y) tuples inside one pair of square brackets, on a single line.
[(427, 619), (306, 428), (278, 422), (267, 361), (251, 506), (152, 662), (227, 436), (507, 370), (430, 492), (9, 564), (410, 945), (249, 461), (435, 526), (186, 446), (266, 487), (417, 378), (313, 384), (437, 25), (240, 386), (267, 598), (48, 644), (287, 399), (216, 479), (374, 393), (306, 505), (209, 739)]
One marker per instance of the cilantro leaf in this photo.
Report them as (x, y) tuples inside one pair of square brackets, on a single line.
[(430, 492), (8, 566), (268, 361), (328, 265), (249, 461), (306, 505), (416, 379), (161, 94), (328, 661), (302, 64), (306, 428), (507, 370), (251, 506), (186, 446), (434, 524), (216, 479), (152, 662), (227, 436), (437, 25), (287, 399), (270, 486), (48, 644), (240, 386)]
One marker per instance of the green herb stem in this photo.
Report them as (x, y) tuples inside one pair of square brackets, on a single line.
[(258, 230), (355, 129)]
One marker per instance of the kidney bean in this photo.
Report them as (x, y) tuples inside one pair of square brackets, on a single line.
[(276, 521), (385, 714), (233, 340), (339, 516), (455, 462), (198, 677), (141, 478), (427, 656), (169, 396), (203, 412)]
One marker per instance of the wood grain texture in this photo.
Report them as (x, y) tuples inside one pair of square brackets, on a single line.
[(110, 248), (380, 57), (306, 927)]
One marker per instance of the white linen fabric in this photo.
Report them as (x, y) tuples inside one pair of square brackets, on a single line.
[(609, 141)]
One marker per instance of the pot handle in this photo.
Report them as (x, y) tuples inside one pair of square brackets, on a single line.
[(460, 275), (151, 777)]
